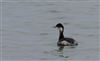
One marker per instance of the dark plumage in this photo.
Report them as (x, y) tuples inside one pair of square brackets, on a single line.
[(62, 41)]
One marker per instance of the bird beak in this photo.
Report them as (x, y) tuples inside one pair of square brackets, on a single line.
[(54, 26)]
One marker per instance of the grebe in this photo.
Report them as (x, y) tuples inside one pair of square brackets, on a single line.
[(62, 41)]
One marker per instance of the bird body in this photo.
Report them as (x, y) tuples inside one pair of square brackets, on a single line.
[(62, 41)]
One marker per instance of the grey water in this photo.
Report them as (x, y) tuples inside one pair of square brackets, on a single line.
[(28, 33)]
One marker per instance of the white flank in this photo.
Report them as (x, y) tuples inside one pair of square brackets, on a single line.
[(64, 43)]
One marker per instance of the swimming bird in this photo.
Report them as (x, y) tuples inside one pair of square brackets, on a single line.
[(62, 41)]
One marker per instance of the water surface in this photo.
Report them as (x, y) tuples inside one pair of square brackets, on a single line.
[(28, 34)]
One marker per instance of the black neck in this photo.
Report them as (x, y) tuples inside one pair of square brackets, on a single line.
[(61, 36)]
